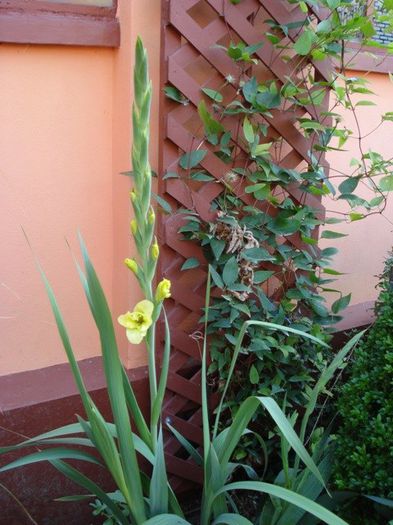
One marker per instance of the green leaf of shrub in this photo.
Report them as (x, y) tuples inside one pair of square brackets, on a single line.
[(253, 375)]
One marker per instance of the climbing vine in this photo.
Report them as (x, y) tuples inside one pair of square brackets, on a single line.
[(262, 242)]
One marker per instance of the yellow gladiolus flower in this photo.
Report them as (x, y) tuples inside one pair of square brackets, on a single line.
[(163, 290), (134, 226), (138, 321), (132, 265)]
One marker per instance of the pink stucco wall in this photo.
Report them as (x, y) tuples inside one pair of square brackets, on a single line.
[(362, 253), (65, 136)]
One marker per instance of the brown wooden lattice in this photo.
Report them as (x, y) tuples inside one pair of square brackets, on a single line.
[(191, 60)]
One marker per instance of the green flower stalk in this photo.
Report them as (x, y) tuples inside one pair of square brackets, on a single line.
[(140, 324)]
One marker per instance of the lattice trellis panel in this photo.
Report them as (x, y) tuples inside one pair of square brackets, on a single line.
[(191, 59)]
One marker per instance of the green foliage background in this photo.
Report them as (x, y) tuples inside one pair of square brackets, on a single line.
[(364, 451)]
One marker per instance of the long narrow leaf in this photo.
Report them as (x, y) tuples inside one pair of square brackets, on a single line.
[(325, 377), (114, 377), (186, 445), (49, 455), (74, 428), (287, 495), (231, 519), (86, 400), (75, 497), (99, 432), (158, 496), (243, 416), (84, 442), (85, 482), (309, 488), (381, 501), (205, 405), (167, 519), (135, 410)]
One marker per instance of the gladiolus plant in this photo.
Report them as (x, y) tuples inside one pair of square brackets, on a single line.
[(148, 497)]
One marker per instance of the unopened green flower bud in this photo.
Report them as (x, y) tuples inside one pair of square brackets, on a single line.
[(155, 251), (132, 265), (163, 290), (133, 195), (151, 216), (134, 226)]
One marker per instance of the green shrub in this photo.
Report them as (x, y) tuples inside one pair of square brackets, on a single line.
[(364, 456)]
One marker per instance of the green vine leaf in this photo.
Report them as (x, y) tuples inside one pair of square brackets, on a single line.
[(216, 277), (190, 263), (248, 131), (261, 150), (230, 271), (202, 176), (174, 94), (162, 202), (192, 159), (262, 276), (341, 303), (386, 183), (328, 234), (355, 216), (305, 42), (212, 126), (257, 254), (349, 185), (217, 246), (213, 94)]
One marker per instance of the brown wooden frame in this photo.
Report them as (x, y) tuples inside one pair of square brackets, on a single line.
[(44, 22), (185, 42)]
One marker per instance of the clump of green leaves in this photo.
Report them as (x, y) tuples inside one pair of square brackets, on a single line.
[(364, 444)]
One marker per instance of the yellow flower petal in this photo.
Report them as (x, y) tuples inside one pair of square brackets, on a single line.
[(144, 307), (135, 337), (125, 319)]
